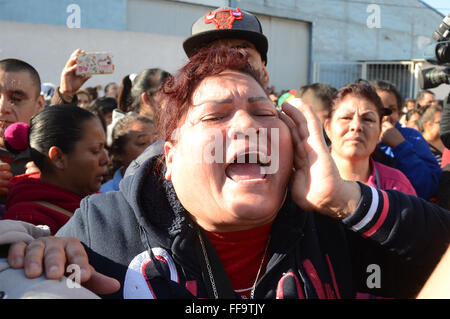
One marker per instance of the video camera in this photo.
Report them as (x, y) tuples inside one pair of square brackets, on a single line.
[(438, 53)]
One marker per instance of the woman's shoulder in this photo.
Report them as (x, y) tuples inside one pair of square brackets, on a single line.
[(104, 203), (412, 135), (392, 178), (25, 178), (99, 215), (384, 169)]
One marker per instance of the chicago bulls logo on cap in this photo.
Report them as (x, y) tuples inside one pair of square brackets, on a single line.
[(224, 19)]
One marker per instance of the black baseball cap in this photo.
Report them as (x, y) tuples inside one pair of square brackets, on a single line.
[(226, 23)]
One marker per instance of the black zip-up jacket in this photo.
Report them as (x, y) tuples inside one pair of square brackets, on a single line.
[(142, 236)]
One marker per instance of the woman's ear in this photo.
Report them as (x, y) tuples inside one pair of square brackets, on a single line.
[(326, 126), (57, 157), (169, 150), (144, 98), (146, 105), (265, 76)]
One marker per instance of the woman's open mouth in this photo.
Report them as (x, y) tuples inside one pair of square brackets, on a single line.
[(248, 166)]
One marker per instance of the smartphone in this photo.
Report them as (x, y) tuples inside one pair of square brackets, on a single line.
[(94, 63)]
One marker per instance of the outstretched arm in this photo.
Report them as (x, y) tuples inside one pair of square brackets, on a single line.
[(412, 228)]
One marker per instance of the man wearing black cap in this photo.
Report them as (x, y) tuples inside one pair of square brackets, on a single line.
[(224, 27), (231, 28)]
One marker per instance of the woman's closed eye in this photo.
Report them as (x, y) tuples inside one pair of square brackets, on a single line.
[(266, 113), (212, 118)]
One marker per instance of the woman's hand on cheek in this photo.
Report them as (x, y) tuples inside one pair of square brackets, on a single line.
[(315, 182)]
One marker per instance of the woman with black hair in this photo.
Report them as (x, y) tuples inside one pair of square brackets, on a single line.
[(67, 145), (130, 137), (139, 93)]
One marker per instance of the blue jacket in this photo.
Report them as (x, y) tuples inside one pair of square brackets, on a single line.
[(414, 158), (143, 237), (113, 184)]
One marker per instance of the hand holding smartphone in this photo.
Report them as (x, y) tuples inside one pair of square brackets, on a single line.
[(94, 63)]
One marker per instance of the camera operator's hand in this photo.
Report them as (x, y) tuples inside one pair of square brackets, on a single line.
[(70, 82), (390, 135)]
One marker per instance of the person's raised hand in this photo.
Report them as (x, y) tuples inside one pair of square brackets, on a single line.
[(5, 176), (316, 183), (70, 82), (52, 255), (390, 135)]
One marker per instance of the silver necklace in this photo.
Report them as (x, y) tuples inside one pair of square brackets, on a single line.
[(210, 273), (208, 266)]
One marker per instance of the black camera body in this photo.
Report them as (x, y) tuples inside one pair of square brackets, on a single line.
[(439, 54)]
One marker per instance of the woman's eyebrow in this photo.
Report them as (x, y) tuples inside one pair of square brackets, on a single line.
[(220, 101), (257, 99), (370, 112), (230, 100)]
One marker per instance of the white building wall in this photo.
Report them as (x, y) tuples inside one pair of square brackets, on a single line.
[(300, 32), (289, 48), (341, 31), (154, 36), (48, 47)]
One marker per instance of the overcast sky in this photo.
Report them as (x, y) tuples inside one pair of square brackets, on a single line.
[(441, 5)]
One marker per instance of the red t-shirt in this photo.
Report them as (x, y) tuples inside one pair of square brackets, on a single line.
[(241, 253)]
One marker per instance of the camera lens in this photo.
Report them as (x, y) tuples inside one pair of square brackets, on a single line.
[(443, 52)]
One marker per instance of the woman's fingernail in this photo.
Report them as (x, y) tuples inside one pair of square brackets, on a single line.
[(84, 273), (17, 262), (53, 270), (33, 269)]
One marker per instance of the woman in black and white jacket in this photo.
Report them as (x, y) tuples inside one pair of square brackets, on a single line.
[(181, 225)]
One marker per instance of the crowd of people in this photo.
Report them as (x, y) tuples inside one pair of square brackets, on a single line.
[(116, 178)]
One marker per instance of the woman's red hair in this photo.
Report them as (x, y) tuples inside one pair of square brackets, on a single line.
[(177, 90)]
